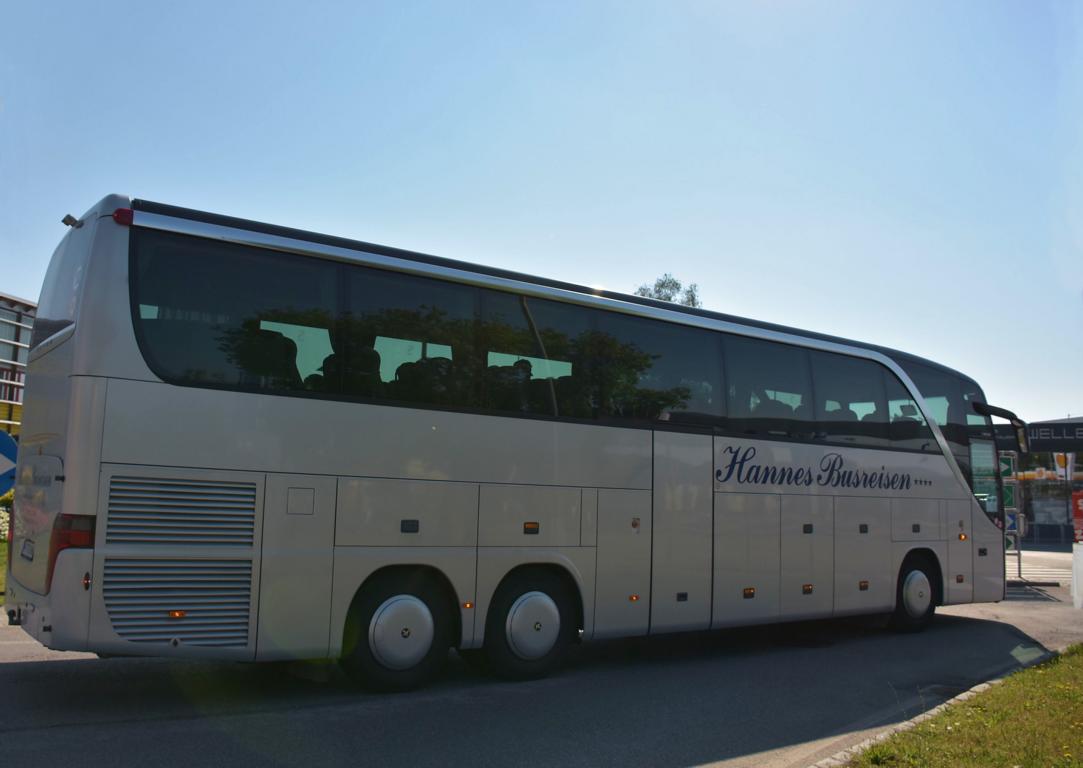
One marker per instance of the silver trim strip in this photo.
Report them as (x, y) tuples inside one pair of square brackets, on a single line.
[(356, 256)]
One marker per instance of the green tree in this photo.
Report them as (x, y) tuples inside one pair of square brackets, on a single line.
[(669, 288)]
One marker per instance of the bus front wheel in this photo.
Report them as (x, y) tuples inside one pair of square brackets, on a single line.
[(398, 633), (915, 595), (531, 624)]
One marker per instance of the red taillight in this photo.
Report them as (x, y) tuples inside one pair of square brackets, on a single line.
[(123, 216), (69, 532)]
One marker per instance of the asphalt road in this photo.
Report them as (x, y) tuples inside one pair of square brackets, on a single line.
[(777, 696)]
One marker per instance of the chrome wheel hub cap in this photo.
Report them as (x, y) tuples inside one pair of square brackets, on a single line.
[(401, 632), (917, 593), (533, 625)]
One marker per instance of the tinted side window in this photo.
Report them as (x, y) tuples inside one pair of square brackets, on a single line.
[(851, 406), (984, 463), (769, 388), (227, 315), (984, 466), (566, 337), (517, 375), (943, 395), (651, 370), (978, 426), (406, 338), (908, 428)]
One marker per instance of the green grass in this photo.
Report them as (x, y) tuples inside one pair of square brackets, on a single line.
[(1033, 718)]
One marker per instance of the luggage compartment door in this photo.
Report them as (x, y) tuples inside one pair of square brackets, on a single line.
[(808, 556), (746, 559), (298, 554), (864, 573)]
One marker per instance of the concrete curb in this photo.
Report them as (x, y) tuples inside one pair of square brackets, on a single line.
[(843, 758)]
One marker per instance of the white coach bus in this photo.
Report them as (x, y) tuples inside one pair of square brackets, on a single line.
[(247, 442)]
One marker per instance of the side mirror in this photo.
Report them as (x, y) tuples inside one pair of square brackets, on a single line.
[(1018, 425)]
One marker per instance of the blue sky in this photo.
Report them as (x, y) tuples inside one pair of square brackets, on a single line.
[(904, 173)]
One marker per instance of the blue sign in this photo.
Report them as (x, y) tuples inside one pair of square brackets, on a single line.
[(1012, 520), (8, 451)]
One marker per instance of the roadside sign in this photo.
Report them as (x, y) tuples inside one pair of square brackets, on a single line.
[(1007, 464), (1011, 522), (1077, 515), (8, 451), (1010, 495)]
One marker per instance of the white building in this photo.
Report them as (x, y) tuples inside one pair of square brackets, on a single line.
[(16, 319)]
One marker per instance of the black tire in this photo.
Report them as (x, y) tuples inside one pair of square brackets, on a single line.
[(501, 658), (358, 658), (904, 618)]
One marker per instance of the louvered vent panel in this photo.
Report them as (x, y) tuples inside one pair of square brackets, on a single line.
[(150, 510), (209, 601)]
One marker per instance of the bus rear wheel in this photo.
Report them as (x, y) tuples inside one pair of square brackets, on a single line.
[(398, 633), (530, 625), (915, 595)]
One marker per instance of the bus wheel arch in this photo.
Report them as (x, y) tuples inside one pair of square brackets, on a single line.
[(919, 589), (534, 616), (420, 598)]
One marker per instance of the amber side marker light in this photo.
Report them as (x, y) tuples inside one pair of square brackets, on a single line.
[(468, 605), (633, 598), (177, 614), (749, 593), (962, 537)]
